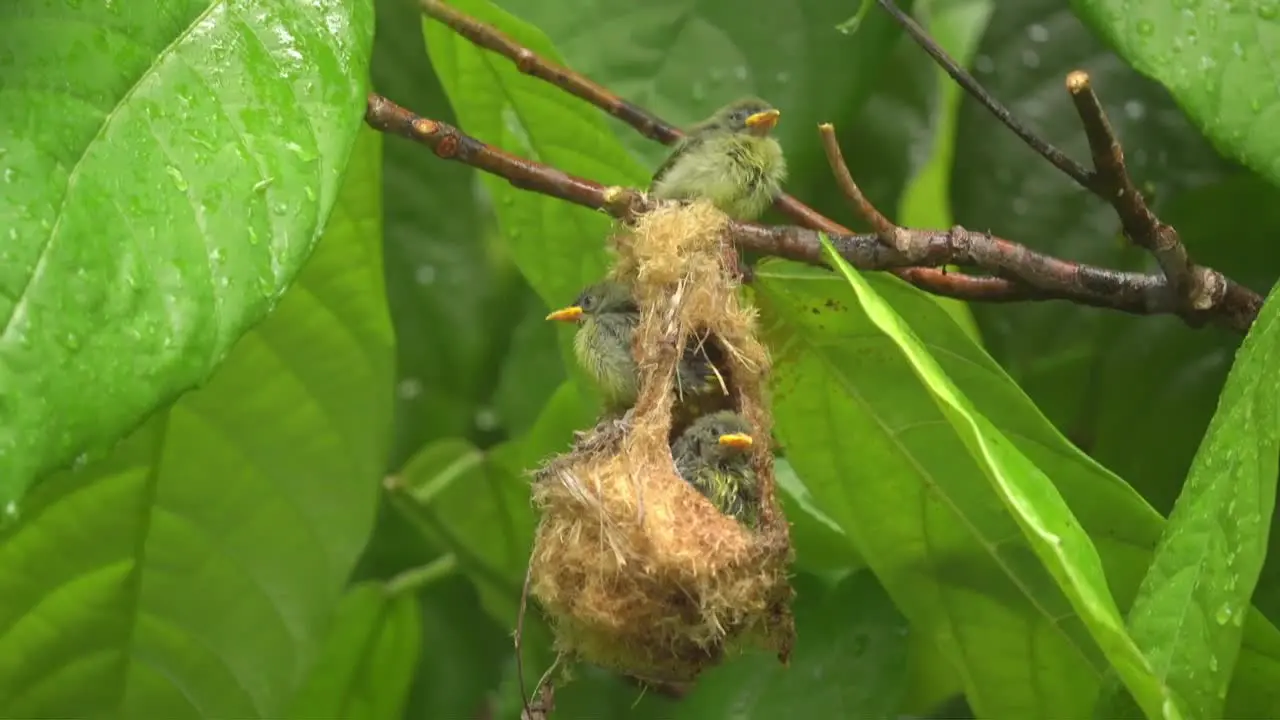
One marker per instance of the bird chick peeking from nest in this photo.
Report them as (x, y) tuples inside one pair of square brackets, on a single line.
[(607, 317), (714, 456)]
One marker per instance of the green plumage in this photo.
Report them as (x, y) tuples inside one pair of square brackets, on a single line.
[(734, 164), (602, 346), (723, 473)]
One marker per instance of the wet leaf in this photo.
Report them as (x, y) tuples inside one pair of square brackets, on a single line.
[(194, 571), (1217, 57), (167, 171), (1046, 521), (1190, 611)]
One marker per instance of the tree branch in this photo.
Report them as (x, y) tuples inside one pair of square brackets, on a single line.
[(1197, 287), (526, 61), (1035, 275)]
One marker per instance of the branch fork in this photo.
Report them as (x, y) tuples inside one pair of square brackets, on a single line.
[(1012, 271)]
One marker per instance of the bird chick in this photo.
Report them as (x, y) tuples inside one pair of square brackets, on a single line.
[(714, 455), (607, 317), (729, 159)]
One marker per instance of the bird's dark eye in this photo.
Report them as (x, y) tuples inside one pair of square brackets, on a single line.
[(585, 302)]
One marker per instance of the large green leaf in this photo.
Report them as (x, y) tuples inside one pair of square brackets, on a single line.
[(1052, 349), (924, 516), (820, 544), (193, 571), (368, 658), (1046, 521), (850, 661), (558, 247), (167, 170), (1189, 614), (1219, 59)]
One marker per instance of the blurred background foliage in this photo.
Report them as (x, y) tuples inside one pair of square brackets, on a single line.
[(915, 586)]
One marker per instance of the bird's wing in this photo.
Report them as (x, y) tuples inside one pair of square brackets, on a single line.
[(682, 146)]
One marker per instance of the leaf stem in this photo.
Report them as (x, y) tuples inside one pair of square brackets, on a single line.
[(416, 578)]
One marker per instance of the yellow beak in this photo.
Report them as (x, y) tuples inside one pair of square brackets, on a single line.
[(739, 441), (570, 314), (764, 121)]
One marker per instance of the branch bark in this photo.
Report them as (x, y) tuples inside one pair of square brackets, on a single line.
[(1036, 276)]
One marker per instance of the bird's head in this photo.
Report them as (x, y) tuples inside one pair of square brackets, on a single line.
[(602, 298), (724, 437), (747, 115)]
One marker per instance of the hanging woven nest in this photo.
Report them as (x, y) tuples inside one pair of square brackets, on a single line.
[(637, 571)]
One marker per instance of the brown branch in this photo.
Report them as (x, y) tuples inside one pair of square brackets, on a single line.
[(887, 231), (529, 63), (1034, 275), (1197, 287), (526, 61)]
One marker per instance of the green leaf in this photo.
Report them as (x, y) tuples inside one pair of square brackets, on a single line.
[(921, 512), (465, 652), (850, 662), (820, 543), (559, 247), (167, 171), (194, 571), (1053, 349), (367, 661), (1027, 493), (1190, 610), (1216, 57), (465, 505)]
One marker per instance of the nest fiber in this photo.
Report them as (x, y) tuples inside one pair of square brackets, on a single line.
[(636, 569)]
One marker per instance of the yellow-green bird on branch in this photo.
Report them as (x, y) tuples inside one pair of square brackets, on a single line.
[(729, 159), (607, 317), (714, 455)]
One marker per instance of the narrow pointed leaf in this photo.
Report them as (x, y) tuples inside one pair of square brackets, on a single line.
[(1190, 612), (1054, 533)]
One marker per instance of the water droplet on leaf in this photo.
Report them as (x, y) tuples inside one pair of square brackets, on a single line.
[(178, 180), (1223, 615)]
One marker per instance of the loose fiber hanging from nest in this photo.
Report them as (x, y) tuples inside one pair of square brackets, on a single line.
[(637, 571)]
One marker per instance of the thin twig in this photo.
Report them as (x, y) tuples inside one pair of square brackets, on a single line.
[(1033, 276), (1197, 288), (528, 62), (519, 637), (1056, 157), (490, 38), (887, 231)]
